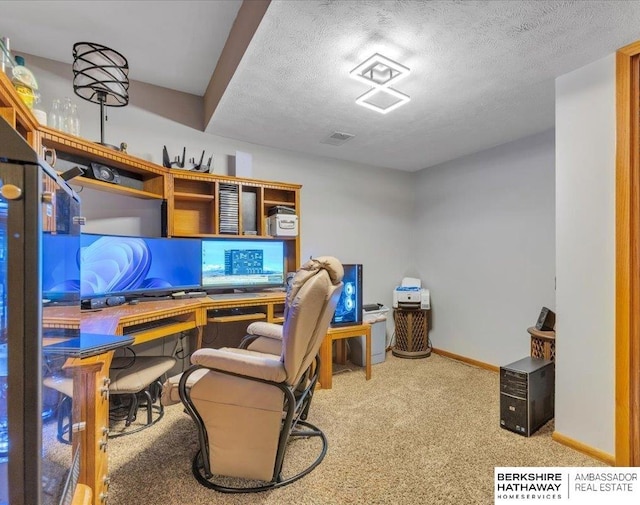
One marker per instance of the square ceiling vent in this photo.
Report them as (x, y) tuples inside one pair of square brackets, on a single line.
[(337, 138)]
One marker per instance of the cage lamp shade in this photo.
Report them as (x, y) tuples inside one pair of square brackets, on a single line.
[(100, 74)]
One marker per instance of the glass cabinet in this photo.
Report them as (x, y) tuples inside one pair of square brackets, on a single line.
[(35, 467)]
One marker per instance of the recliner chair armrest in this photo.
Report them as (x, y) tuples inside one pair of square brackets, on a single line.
[(241, 362), (262, 329), (263, 337)]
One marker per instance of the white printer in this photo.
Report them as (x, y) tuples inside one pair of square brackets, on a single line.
[(411, 295)]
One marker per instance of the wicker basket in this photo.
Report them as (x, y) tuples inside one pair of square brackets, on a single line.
[(412, 333), (543, 344)]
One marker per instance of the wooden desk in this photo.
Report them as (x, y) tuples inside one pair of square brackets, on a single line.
[(271, 302), (326, 350), (91, 375)]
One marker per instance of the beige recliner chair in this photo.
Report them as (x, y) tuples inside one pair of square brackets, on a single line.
[(248, 404)]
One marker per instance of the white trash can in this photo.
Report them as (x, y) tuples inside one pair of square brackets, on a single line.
[(376, 315)]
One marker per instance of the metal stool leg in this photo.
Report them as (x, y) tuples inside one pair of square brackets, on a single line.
[(132, 410)]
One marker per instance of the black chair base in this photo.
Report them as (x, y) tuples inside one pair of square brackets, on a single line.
[(311, 431), (151, 395)]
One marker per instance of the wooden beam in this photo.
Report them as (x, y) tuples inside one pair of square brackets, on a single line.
[(244, 27)]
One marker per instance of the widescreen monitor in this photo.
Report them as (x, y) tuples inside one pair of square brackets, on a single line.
[(248, 265), (136, 265), (349, 308), (120, 265)]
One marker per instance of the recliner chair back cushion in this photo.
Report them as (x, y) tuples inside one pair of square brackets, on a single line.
[(311, 303)]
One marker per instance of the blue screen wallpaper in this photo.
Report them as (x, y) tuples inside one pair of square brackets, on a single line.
[(60, 266), (116, 264)]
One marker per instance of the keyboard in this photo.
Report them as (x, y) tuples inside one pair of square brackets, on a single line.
[(236, 296), (149, 325)]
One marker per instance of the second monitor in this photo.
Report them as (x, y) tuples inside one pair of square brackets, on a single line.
[(245, 264)]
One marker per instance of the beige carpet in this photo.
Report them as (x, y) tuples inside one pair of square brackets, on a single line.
[(419, 432)]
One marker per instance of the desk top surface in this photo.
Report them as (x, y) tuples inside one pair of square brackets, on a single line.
[(107, 320)]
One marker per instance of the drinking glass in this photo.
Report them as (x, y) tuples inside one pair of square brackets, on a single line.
[(74, 121), (55, 115), (66, 115)]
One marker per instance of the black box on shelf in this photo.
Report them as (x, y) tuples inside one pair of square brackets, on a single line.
[(280, 209)]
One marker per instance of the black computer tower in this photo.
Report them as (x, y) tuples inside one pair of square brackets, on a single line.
[(527, 395)]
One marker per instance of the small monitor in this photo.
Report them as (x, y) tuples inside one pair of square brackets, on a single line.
[(246, 264), (349, 308), (121, 265)]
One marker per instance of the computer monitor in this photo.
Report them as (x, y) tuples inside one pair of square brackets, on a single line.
[(349, 308), (60, 268), (121, 265), (245, 264)]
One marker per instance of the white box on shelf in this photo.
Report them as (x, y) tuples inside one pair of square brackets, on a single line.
[(240, 165), (282, 225)]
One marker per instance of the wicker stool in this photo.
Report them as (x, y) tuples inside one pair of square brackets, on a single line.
[(412, 333)]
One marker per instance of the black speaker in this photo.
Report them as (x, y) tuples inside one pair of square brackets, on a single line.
[(103, 173), (164, 219), (101, 303), (546, 320)]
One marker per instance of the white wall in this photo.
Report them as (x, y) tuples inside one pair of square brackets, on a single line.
[(358, 214), (485, 247), (585, 254)]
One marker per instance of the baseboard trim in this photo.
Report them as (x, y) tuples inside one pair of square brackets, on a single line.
[(464, 359), (605, 457)]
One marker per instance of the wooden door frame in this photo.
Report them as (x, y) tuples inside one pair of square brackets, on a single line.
[(627, 372)]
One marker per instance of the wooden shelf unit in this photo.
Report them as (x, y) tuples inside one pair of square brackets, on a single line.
[(192, 198), (152, 176), (17, 114), (193, 207)]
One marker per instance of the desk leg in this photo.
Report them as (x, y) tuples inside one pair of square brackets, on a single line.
[(326, 365), (199, 330), (368, 364)]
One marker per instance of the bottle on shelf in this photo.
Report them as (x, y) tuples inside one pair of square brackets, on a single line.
[(25, 83), (6, 60)]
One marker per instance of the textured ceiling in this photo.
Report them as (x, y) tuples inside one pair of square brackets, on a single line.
[(171, 44), (482, 72)]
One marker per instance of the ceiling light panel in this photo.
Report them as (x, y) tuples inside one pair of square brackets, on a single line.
[(384, 105), (380, 73)]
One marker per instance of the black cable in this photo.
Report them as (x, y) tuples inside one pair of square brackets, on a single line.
[(129, 364)]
